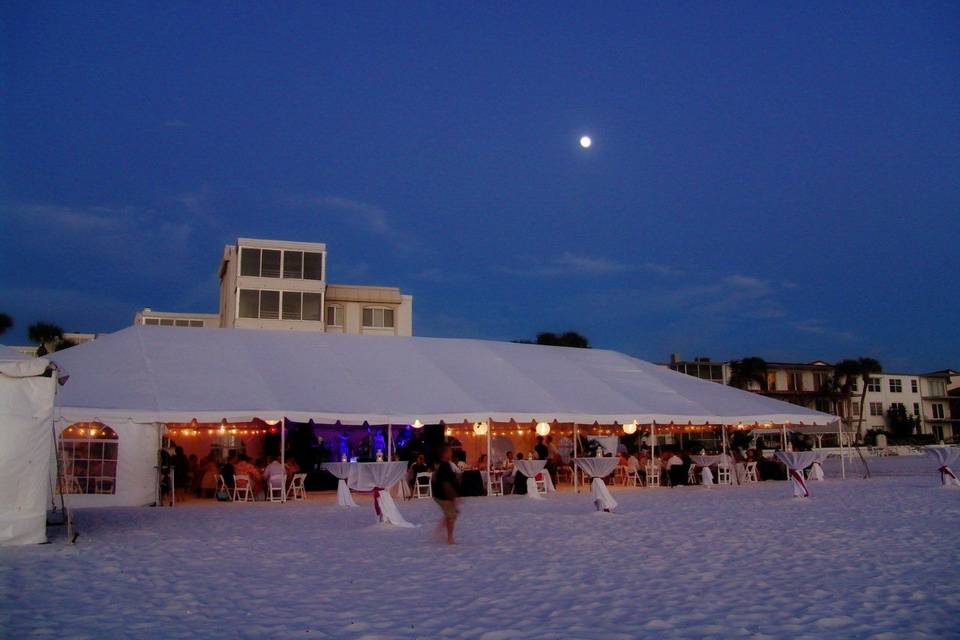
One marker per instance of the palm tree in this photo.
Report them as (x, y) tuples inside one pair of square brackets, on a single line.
[(47, 335), (867, 368), (747, 370), (845, 373), (5, 323)]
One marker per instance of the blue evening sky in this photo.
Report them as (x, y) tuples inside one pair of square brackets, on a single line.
[(773, 179)]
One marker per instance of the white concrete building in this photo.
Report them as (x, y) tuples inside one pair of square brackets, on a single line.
[(278, 284), (922, 395)]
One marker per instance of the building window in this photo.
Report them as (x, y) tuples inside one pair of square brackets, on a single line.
[(291, 305), (166, 322), (313, 306), (937, 409), (820, 381), (854, 384), (196, 323), (89, 456), (181, 323), (293, 264), (854, 409), (897, 406), (270, 263), (896, 385), (937, 387), (771, 380), (334, 315), (914, 387), (153, 321), (269, 305), (377, 318), (916, 408), (795, 381), (876, 408), (312, 266), (249, 303), (874, 385)]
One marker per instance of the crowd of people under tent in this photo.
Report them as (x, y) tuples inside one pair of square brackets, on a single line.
[(193, 476)]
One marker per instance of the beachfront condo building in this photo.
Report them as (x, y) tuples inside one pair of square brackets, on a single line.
[(280, 284)]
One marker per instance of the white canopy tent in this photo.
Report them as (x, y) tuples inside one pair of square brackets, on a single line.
[(138, 378), (26, 447)]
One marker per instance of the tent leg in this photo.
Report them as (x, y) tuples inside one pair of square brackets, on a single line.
[(490, 458), (576, 441), (843, 464), (283, 458), (389, 443)]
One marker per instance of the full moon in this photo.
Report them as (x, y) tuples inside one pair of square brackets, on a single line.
[(585, 142)]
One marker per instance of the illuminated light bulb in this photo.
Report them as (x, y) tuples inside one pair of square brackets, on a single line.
[(417, 424), (543, 428), (630, 428)]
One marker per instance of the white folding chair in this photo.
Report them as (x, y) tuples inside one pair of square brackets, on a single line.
[(298, 489), (222, 486), (242, 488), (541, 483), (724, 473), (633, 478), (654, 471), (750, 475), (564, 474), (496, 483), (423, 486), (692, 476), (275, 488)]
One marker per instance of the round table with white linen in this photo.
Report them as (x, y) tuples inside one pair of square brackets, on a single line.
[(341, 470), (796, 462), (944, 457), (705, 462), (530, 468), (598, 469), (378, 478)]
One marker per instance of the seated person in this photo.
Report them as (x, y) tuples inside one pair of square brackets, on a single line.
[(519, 480), (243, 466), (273, 474), (228, 471), (676, 469), (419, 465)]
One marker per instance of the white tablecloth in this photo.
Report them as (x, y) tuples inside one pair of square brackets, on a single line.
[(379, 477), (531, 468), (704, 462), (599, 468), (341, 470), (796, 462), (945, 457)]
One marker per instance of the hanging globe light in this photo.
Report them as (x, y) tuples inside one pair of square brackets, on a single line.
[(543, 428), (630, 428), (417, 424), (480, 428)]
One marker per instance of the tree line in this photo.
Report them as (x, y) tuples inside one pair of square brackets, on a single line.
[(49, 337)]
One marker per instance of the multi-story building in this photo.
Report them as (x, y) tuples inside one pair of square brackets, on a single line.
[(277, 284), (922, 396)]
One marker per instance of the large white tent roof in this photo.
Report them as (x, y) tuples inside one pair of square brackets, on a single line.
[(169, 374)]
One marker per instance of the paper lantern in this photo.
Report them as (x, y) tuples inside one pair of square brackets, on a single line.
[(630, 428), (417, 424), (480, 428), (543, 429)]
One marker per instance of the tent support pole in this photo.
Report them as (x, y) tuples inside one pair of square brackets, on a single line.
[(159, 470), (576, 442), (843, 464), (490, 458), (653, 440), (283, 458), (389, 443)]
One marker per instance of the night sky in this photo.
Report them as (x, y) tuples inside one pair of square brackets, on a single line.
[(773, 179)]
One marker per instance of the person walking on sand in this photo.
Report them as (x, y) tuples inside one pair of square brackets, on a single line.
[(446, 489)]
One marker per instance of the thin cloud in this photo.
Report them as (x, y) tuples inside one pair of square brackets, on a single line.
[(818, 327), (175, 124), (368, 216), (53, 217)]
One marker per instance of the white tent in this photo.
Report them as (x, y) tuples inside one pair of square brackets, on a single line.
[(26, 445), (138, 378)]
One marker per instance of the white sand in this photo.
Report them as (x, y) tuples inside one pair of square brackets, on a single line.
[(861, 559)]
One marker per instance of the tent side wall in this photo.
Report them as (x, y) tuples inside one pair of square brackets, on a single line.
[(26, 441), (136, 481)]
